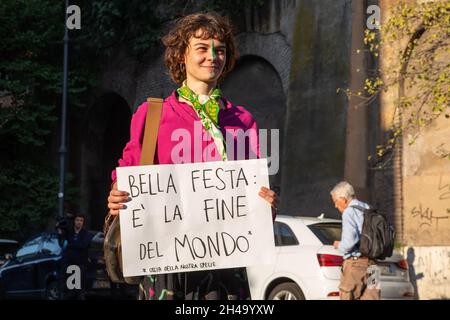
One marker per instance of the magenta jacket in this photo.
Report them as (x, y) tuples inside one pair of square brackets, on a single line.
[(177, 120)]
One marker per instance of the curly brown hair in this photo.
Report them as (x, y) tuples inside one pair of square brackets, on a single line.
[(211, 25)]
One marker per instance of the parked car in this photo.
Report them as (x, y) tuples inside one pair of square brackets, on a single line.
[(307, 266), (34, 269), (7, 249)]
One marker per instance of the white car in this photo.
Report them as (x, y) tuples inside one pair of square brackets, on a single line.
[(307, 266)]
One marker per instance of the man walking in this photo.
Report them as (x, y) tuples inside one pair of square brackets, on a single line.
[(353, 285)]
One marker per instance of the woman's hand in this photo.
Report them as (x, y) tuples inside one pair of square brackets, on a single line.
[(116, 199), (271, 197)]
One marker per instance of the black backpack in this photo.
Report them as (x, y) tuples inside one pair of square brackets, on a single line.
[(377, 235)]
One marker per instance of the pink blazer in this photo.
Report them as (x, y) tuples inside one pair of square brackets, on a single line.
[(179, 138)]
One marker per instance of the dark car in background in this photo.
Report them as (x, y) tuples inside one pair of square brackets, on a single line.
[(33, 271)]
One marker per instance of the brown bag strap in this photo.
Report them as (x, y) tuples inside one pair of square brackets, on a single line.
[(151, 131), (148, 144)]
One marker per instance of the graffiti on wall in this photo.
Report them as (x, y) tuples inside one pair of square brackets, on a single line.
[(427, 209), (430, 271), (444, 189), (427, 215)]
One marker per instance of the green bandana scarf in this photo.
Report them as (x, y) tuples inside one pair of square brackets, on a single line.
[(208, 113), (210, 107)]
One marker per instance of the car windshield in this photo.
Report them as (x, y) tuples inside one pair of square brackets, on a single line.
[(30, 248), (327, 232), (51, 245)]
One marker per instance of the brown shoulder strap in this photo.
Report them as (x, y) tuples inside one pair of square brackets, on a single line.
[(151, 131)]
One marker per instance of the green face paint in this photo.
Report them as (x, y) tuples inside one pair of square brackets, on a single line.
[(213, 50)]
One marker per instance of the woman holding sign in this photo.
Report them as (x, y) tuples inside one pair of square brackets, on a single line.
[(200, 51)]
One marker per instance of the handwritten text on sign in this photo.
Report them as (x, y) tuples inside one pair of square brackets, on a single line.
[(191, 217)]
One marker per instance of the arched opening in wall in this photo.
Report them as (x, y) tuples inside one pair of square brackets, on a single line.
[(255, 84), (106, 130)]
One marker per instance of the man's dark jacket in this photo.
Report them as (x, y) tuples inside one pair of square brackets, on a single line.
[(76, 251)]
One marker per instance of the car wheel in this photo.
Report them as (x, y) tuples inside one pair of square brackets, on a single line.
[(52, 291), (286, 291)]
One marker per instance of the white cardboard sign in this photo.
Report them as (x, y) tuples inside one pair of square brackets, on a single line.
[(192, 217)]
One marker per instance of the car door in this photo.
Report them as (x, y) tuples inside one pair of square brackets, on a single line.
[(19, 276), (47, 268), (287, 246)]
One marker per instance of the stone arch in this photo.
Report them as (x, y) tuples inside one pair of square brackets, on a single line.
[(256, 85), (272, 47), (105, 132), (153, 81)]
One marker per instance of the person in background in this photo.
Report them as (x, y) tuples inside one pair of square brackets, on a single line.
[(75, 244), (353, 284)]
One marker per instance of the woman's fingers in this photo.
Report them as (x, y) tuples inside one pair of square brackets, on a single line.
[(116, 199), (115, 206), (118, 193), (268, 191), (270, 198), (118, 196), (268, 195)]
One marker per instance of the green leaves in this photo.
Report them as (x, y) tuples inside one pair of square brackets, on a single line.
[(30, 198), (29, 192), (230, 7), (421, 69), (31, 74), (138, 25)]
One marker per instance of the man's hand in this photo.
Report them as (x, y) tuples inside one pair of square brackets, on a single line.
[(336, 244), (116, 200)]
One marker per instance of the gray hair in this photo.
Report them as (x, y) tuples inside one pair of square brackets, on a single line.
[(343, 190)]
